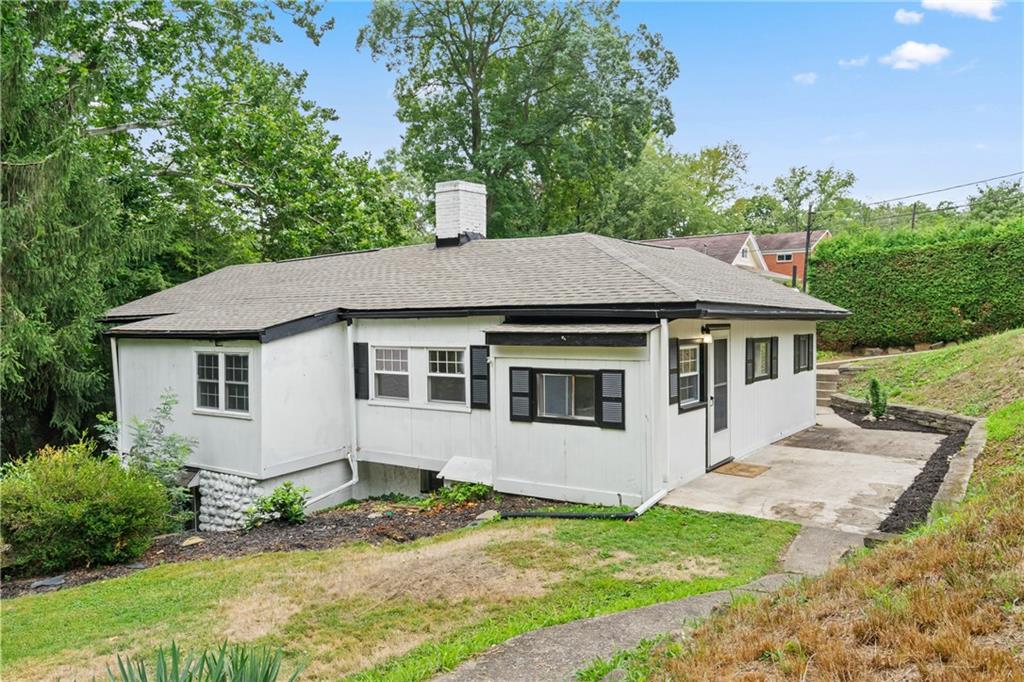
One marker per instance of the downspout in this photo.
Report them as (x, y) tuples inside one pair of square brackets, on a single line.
[(623, 516), (662, 398), (353, 463)]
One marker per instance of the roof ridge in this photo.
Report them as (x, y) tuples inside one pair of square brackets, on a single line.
[(635, 265), (700, 234)]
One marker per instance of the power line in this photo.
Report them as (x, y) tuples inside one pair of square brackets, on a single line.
[(945, 189)]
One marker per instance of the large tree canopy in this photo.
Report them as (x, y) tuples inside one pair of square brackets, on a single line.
[(543, 102), (144, 142)]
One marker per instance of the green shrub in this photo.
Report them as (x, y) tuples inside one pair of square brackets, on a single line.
[(155, 450), (287, 503), (65, 507), (228, 663), (460, 493), (944, 286), (877, 400)]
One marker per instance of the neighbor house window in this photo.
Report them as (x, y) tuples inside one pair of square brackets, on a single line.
[(222, 382), (566, 396), (689, 374), (446, 376), (391, 373), (803, 353), (783, 257), (743, 252)]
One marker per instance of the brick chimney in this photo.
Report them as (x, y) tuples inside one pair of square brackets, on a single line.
[(460, 212)]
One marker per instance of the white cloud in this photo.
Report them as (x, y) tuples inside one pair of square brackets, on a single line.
[(852, 63), (809, 78), (979, 9), (911, 55), (904, 16)]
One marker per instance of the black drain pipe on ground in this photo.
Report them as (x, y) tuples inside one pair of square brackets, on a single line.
[(620, 516)]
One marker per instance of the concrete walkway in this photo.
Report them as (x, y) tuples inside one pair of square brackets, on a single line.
[(557, 652)]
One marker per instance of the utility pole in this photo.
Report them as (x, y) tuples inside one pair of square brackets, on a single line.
[(913, 217), (807, 243)]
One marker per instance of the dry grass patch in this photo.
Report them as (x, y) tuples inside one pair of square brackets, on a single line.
[(683, 568), (945, 604)]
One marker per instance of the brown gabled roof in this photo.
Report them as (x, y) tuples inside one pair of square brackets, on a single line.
[(724, 246), (574, 270), (789, 241)]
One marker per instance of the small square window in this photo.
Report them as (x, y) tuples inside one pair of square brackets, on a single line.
[(446, 376), (391, 373), (222, 382)]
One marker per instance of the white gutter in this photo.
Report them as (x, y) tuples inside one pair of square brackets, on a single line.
[(353, 423)]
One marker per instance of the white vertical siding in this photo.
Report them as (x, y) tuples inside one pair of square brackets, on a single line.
[(568, 461), (304, 400), (148, 367)]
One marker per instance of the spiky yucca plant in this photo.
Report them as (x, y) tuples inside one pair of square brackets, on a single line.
[(228, 663)]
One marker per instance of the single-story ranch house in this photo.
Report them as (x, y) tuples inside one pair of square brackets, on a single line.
[(571, 367)]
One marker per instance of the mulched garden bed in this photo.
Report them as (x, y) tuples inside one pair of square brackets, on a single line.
[(884, 424), (913, 505), (373, 521)]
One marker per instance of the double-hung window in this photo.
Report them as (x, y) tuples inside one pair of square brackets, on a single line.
[(689, 374), (222, 382), (567, 396), (446, 376), (391, 373)]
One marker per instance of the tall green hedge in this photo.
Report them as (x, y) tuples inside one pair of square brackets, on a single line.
[(936, 291)]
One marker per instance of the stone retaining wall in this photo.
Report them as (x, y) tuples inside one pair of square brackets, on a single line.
[(961, 466), (940, 420), (224, 499)]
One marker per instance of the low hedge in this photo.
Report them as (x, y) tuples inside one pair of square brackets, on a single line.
[(938, 291), (66, 508)]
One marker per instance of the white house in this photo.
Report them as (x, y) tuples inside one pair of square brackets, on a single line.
[(571, 367), (735, 248)]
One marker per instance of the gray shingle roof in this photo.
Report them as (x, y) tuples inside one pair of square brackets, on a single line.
[(566, 270), (725, 246), (788, 241)]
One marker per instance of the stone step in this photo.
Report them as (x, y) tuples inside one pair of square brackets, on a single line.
[(823, 402), (827, 382), (828, 373)]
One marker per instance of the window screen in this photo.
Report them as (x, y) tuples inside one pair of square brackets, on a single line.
[(446, 376), (566, 396), (391, 373)]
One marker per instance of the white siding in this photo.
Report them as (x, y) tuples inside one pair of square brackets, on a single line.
[(305, 401), (568, 461), (415, 432), (148, 367)]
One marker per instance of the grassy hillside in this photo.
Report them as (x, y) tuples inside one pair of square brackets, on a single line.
[(973, 378)]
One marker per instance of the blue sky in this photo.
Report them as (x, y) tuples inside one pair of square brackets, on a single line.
[(948, 108)]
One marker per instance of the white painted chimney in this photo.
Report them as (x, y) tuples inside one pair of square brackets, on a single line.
[(460, 209)]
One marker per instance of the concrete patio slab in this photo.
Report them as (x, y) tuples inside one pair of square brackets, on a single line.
[(827, 417), (909, 444), (844, 491)]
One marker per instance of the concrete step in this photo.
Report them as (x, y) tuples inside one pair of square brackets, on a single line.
[(828, 372), (823, 395), (823, 402)]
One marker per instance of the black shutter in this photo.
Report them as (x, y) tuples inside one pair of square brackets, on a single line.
[(611, 386), (479, 377), (750, 361), (775, 357), (703, 365), (673, 371), (798, 344), (520, 382), (812, 352), (361, 367)]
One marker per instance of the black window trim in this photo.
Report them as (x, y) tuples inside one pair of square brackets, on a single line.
[(702, 365), (587, 421), (751, 359), (797, 340)]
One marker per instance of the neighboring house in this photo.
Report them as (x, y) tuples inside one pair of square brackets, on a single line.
[(735, 248), (784, 252), (571, 367)]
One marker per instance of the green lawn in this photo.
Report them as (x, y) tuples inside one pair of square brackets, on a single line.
[(973, 378), (400, 612)]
